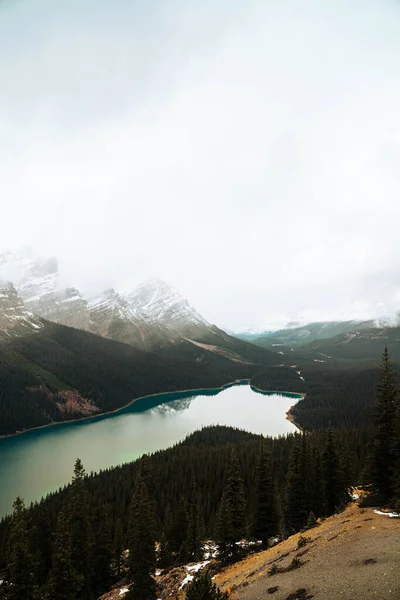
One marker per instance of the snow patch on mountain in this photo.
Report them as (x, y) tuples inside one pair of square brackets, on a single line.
[(155, 300)]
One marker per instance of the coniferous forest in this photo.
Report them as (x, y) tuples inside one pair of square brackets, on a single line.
[(220, 483)]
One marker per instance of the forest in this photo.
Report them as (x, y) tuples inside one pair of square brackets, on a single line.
[(220, 483), (36, 369)]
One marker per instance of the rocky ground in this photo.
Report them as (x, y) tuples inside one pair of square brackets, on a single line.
[(354, 555)]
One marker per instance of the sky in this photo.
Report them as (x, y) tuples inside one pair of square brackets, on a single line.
[(247, 152)]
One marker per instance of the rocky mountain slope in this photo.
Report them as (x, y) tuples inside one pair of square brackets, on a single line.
[(154, 316), (352, 555), (15, 320)]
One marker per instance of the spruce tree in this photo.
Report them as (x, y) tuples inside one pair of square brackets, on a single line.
[(79, 518), (334, 480), (192, 547), (231, 520), (266, 517), (64, 583), (20, 581), (383, 459), (141, 544), (176, 529), (295, 511), (101, 551), (202, 588), (118, 548)]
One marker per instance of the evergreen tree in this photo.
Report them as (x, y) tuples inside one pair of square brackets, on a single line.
[(202, 588), (79, 529), (118, 548), (231, 521), (176, 529), (141, 543), (64, 583), (334, 482), (266, 517), (192, 547), (295, 505), (165, 558), (20, 577), (101, 552), (383, 460)]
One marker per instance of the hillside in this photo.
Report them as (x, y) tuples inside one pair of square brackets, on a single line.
[(351, 555), (304, 334), (59, 373)]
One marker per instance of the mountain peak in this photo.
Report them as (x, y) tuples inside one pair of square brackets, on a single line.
[(157, 300)]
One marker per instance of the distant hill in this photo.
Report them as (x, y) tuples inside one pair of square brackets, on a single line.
[(298, 336), (59, 373)]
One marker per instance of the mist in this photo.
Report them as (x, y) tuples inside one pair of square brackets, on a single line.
[(248, 153)]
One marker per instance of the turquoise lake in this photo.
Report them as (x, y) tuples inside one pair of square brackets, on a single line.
[(40, 461)]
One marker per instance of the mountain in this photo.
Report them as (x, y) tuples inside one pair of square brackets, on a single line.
[(154, 316), (15, 320), (111, 315), (56, 373), (157, 301), (297, 336), (360, 344)]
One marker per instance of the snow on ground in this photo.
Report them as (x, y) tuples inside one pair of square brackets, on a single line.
[(187, 580), (197, 567), (193, 569), (387, 514), (210, 549)]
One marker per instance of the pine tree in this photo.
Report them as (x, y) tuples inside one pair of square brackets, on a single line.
[(118, 548), (176, 529), (64, 583), (202, 588), (79, 529), (141, 543), (101, 551), (20, 581), (334, 481), (383, 460), (295, 505), (231, 520), (192, 547), (266, 518)]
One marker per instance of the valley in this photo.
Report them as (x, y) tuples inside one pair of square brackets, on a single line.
[(121, 379), (39, 461)]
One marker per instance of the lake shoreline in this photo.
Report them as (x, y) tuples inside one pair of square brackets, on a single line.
[(111, 412), (289, 416)]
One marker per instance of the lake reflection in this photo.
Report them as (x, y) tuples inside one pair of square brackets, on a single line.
[(40, 461)]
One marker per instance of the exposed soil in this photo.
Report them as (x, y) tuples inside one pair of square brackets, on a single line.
[(354, 555)]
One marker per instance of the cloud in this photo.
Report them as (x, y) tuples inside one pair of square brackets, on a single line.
[(247, 153)]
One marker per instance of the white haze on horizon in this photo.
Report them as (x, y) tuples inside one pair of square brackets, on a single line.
[(247, 153)]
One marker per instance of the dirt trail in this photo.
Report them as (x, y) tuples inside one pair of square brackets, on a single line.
[(351, 556)]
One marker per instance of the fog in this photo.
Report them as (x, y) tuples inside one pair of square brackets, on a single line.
[(248, 153)]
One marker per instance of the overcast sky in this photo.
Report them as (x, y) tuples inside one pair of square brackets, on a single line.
[(248, 152)]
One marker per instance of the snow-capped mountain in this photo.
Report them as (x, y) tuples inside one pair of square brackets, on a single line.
[(15, 320), (155, 300), (153, 316), (34, 277)]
